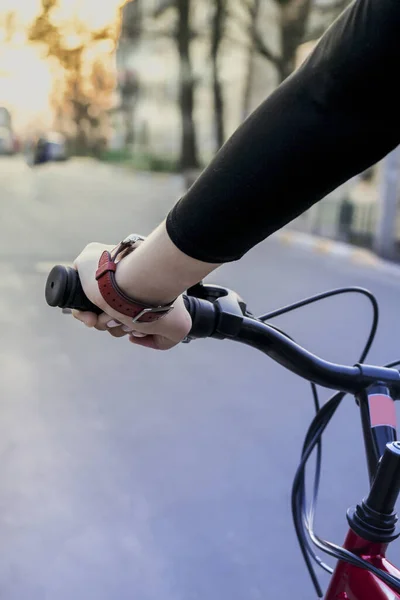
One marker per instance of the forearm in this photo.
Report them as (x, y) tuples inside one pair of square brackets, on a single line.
[(157, 271)]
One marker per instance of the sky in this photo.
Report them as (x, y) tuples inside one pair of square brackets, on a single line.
[(25, 77)]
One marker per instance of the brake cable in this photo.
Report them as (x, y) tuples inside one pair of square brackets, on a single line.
[(303, 521)]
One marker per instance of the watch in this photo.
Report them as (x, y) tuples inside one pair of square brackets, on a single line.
[(114, 296)]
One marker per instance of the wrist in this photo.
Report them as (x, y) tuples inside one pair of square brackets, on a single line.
[(157, 272), (135, 280), (115, 297)]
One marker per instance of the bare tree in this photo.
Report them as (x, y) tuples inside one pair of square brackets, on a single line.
[(322, 16), (293, 22), (182, 35), (131, 16), (189, 157), (254, 10), (217, 36)]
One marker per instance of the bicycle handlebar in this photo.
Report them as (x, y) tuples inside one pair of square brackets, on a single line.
[(220, 313)]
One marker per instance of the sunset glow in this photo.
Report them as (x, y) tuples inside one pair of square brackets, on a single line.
[(25, 76)]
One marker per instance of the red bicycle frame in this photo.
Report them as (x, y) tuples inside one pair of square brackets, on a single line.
[(352, 583)]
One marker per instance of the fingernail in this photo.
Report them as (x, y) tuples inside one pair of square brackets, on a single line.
[(113, 323), (126, 328), (138, 334)]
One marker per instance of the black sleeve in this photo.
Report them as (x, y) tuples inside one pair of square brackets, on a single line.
[(334, 117)]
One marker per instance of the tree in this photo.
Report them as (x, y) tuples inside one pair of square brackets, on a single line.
[(293, 21), (131, 31), (129, 90), (217, 35), (189, 158), (322, 16), (87, 86), (254, 13), (181, 34)]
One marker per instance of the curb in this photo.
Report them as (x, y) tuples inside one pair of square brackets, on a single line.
[(325, 246)]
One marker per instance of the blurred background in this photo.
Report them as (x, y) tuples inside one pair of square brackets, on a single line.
[(159, 86), (165, 476)]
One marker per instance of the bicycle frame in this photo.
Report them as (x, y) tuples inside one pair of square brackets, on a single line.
[(352, 583)]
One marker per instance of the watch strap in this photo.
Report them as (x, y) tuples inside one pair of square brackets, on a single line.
[(116, 298)]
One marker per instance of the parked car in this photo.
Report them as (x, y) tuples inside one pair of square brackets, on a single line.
[(51, 147), (6, 141)]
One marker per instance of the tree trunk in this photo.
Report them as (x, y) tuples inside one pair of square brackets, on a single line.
[(188, 159), (293, 23), (250, 60), (129, 136), (217, 33)]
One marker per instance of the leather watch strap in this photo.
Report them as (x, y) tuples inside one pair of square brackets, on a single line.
[(116, 298)]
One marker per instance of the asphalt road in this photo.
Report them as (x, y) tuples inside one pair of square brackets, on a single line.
[(127, 473)]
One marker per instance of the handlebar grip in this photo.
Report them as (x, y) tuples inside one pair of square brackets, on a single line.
[(204, 317), (64, 289)]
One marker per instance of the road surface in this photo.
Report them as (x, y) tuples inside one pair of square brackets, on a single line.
[(127, 473)]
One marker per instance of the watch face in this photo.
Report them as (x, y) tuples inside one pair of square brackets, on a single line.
[(134, 237)]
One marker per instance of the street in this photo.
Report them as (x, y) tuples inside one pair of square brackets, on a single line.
[(127, 473)]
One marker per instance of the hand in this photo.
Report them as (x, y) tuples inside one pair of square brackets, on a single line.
[(159, 335)]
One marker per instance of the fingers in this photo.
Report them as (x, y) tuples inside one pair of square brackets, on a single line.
[(174, 326), (162, 334), (155, 342), (94, 248), (117, 329), (88, 318), (117, 332), (104, 322)]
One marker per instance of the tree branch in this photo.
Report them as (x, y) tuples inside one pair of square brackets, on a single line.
[(160, 33), (237, 43), (259, 43), (250, 6), (262, 48), (336, 7), (164, 5), (275, 60), (239, 20)]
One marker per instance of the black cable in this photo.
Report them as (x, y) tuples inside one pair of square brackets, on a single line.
[(301, 491), (329, 294), (346, 556), (318, 460), (332, 549), (303, 521), (315, 431), (343, 554), (327, 546), (393, 364)]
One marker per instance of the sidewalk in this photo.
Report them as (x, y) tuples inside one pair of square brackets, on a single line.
[(322, 245)]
